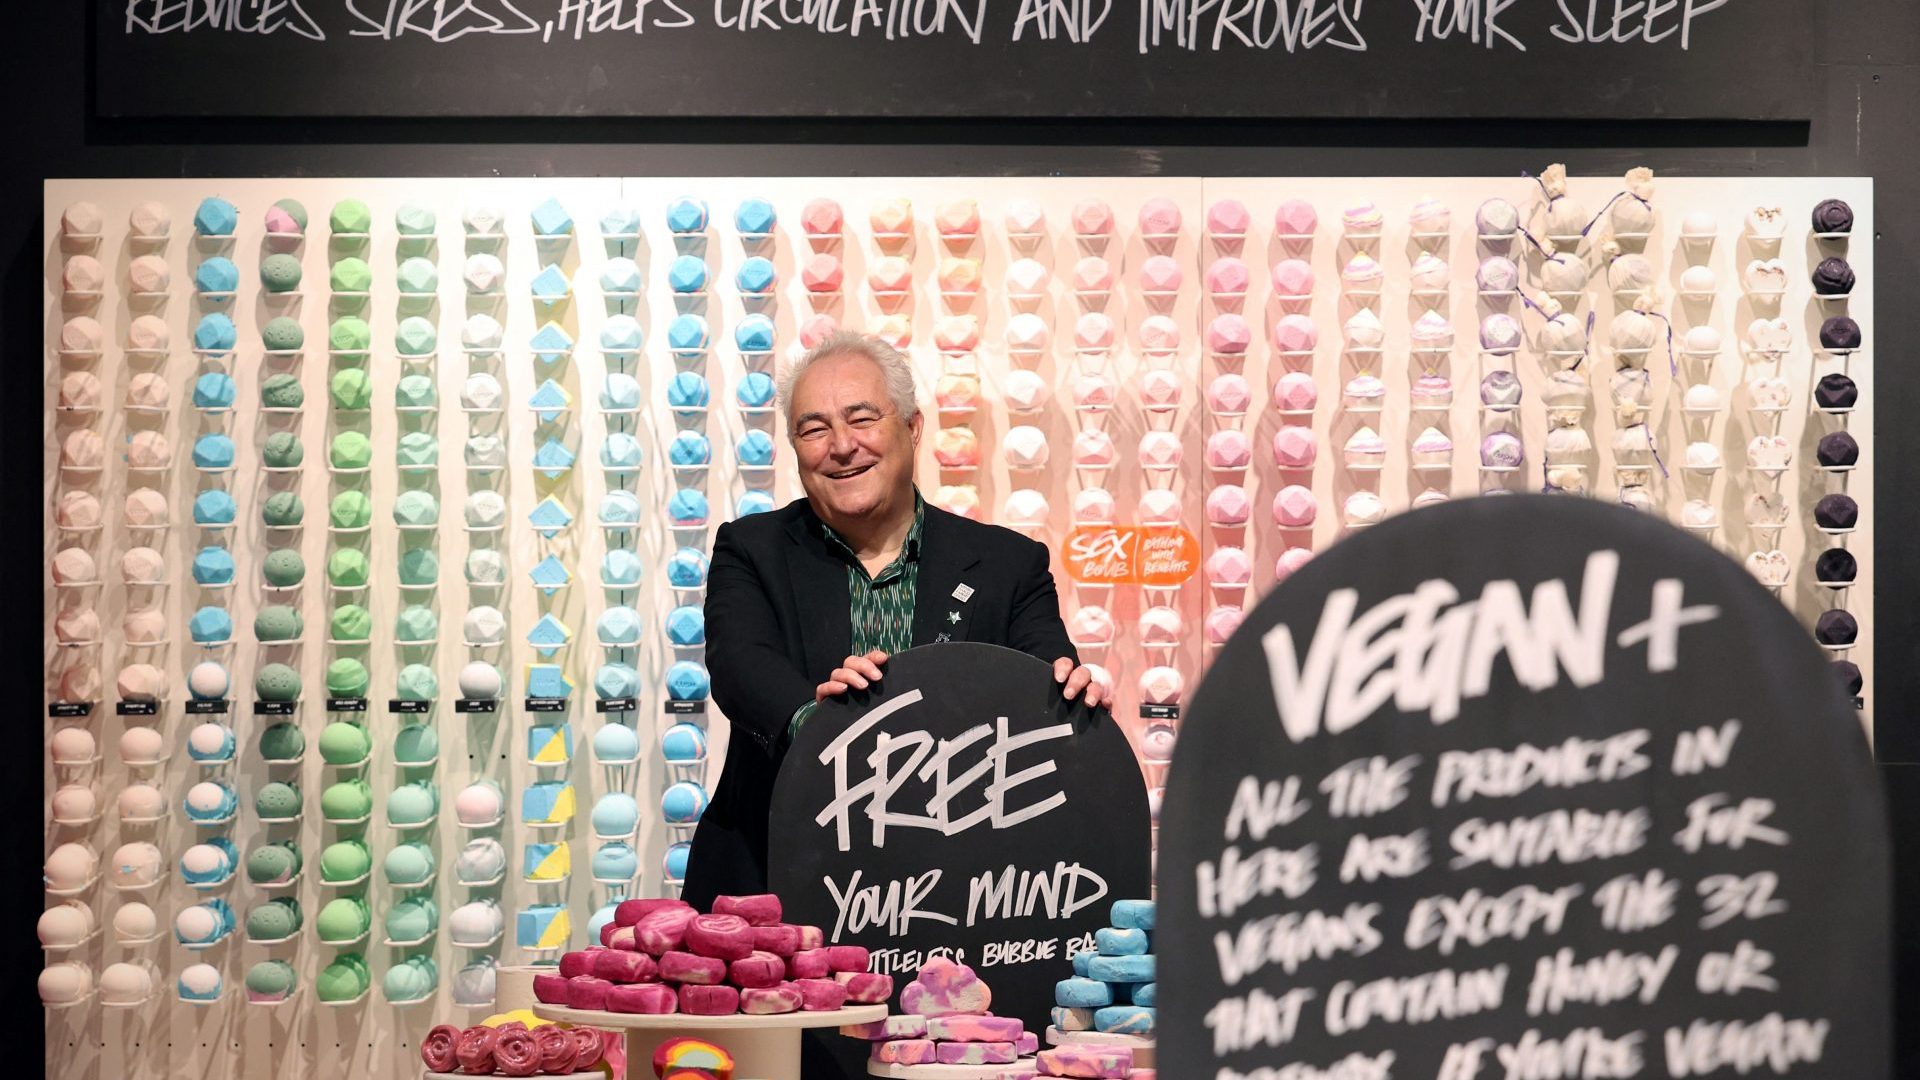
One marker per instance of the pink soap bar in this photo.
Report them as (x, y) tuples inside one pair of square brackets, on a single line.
[(587, 992), (975, 1053), (1027, 1044), (646, 999), (770, 1000), (620, 966), (865, 987), (1016, 1074), (975, 1029), (846, 958), (897, 1026), (759, 970), (1092, 1064), (685, 967), (1141, 1074), (709, 1000), (550, 989), (762, 909), (663, 930), (780, 940), (727, 937), (821, 995), (809, 964), (630, 912), (904, 1052), (942, 988), (578, 963), (619, 937), (812, 937)]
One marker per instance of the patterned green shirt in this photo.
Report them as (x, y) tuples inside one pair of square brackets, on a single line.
[(881, 605)]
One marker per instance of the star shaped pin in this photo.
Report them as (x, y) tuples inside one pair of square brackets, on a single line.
[(953, 617)]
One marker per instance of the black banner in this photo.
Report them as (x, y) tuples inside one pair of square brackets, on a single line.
[(1517, 59), (964, 809), (1523, 787)]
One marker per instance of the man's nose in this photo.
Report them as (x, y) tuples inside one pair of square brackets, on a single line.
[(843, 442)]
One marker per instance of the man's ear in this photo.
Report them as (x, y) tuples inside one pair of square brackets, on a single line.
[(914, 425)]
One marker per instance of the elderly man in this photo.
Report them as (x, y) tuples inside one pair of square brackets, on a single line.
[(807, 602)]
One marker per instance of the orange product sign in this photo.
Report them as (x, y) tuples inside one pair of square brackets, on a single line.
[(1157, 555)]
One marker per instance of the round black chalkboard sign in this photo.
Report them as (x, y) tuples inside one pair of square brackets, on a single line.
[(1515, 788), (962, 809)]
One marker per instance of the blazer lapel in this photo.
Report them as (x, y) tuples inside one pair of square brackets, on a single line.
[(944, 558), (820, 596)]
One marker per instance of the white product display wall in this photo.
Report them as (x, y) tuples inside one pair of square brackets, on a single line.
[(377, 1038)]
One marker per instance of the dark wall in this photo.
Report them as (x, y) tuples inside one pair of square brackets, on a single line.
[(1867, 63)]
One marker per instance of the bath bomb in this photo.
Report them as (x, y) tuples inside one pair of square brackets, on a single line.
[(1228, 334), (141, 566), (1295, 218), (1563, 274), (350, 276), (1364, 392), (280, 272), (1159, 334), (1093, 332), (347, 678), (416, 622), (282, 450), (148, 333)]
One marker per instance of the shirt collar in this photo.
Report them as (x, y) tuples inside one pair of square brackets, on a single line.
[(909, 550)]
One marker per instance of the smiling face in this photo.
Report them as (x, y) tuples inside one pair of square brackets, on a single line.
[(855, 450)]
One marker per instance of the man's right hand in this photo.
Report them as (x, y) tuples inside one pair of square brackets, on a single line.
[(856, 673)]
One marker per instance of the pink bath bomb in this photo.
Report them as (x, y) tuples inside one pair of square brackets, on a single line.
[(1159, 216), (1229, 334), (1294, 507), (1228, 276), (820, 995), (1295, 447), (1227, 505), (1222, 622), (943, 988), (1228, 219), (1228, 448), (709, 1000), (1289, 561), (1292, 278), (781, 940), (1228, 394), (1295, 333), (770, 1000), (663, 929), (809, 964), (1160, 274), (757, 971), (847, 958), (620, 966), (578, 963), (587, 992), (1295, 392), (1092, 217), (550, 989), (1092, 332), (865, 987), (646, 999), (691, 968), (629, 912), (1229, 566), (1295, 217), (761, 909), (1093, 275)]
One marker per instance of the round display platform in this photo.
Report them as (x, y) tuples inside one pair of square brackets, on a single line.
[(429, 1074), (762, 1046), (948, 1072)]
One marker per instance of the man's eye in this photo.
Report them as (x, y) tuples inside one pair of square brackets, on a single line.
[(812, 432), (863, 422)]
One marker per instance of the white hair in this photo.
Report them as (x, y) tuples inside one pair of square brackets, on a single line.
[(894, 367)]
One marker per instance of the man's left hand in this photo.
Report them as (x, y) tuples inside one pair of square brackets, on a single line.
[(1078, 677)]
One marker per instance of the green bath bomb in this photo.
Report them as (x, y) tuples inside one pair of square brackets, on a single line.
[(419, 566), (350, 510), (282, 391), (418, 448), (283, 450), (277, 800), (283, 508), (345, 860), (350, 216), (277, 682), (293, 209), (416, 682), (349, 334), (416, 744), (270, 979), (276, 622), (347, 568), (343, 980), (350, 450), (276, 919), (416, 508), (347, 678), (415, 392), (280, 272), (344, 743), (348, 800), (416, 623), (282, 334), (350, 622), (351, 275), (271, 864), (351, 388), (283, 567), (282, 742), (342, 920)]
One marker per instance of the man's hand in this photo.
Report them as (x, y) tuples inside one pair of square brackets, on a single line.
[(855, 673), (1075, 679)]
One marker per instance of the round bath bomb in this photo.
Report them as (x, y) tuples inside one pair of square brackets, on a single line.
[(347, 800), (347, 568), (416, 508), (412, 804), (419, 566), (415, 391), (416, 682), (350, 450), (283, 567), (416, 622), (347, 678), (277, 800), (282, 450), (351, 389), (343, 743), (280, 272), (283, 508), (344, 860), (277, 682)]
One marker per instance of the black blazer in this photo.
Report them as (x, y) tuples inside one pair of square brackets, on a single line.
[(778, 623)]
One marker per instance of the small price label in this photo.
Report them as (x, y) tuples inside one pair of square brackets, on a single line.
[(60, 709), (395, 705), (1159, 712), (273, 708), (685, 708), (546, 704), (136, 708), (203, 708), (475, 705), (619, 704), (346, 704)]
